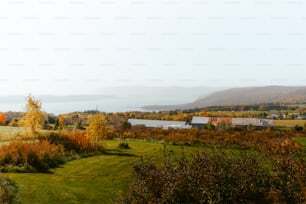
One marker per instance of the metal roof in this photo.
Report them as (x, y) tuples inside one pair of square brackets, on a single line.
[(159, 123), (199, 120)]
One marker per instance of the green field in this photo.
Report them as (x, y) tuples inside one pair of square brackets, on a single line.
[(96, 179), (289, 123)]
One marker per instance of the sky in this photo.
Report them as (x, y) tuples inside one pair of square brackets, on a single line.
[(84, 46)]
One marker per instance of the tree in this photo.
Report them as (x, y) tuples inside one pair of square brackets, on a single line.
[(97, 128), (262, 108), (51, 119), (2, 118), (125, 125), (60, 122), (34, 116)]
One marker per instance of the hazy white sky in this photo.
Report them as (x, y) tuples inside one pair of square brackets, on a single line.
[(81, 46)]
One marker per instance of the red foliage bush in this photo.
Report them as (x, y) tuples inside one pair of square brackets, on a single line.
[(40, 156)]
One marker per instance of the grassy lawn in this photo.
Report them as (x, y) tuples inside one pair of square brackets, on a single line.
[(96, 179), (289, 123), (92, 180)]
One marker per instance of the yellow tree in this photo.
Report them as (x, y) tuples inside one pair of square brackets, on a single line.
[(61, 121), (97, 128), (34, 116)]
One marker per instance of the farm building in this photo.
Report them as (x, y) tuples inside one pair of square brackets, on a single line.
[(218, 121), (165, 124), (302, 117), (255, 122), (199, 122)]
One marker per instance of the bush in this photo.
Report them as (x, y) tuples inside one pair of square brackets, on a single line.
[(31, 156), (218, 178), (73, 141), (124, 145), (298, 128), (51, 150), (8, 190)]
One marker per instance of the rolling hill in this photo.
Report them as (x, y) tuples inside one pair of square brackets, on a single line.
[(242, 96)]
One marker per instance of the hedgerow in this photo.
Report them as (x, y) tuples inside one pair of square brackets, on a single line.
[(51, 150), (75, 141), (30, 156)]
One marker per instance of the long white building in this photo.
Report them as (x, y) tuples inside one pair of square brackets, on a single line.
[(165, 124)]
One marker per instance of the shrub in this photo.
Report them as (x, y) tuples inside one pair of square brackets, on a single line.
[(8, 190), (217, 178), (298, 128), (32, 156), (73, 141), (124, 145)]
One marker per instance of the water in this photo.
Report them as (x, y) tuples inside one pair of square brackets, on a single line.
[(118, 99)]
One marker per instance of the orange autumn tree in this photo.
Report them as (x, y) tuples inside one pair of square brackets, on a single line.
[(34, 116), (2, 118)]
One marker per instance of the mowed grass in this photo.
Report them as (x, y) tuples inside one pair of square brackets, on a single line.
[(289, 123), (97, 179)]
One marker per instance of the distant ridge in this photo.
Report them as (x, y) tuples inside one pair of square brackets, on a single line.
[(242, 96)]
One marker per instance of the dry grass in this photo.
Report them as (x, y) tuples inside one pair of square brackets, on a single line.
[(289, 123)]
